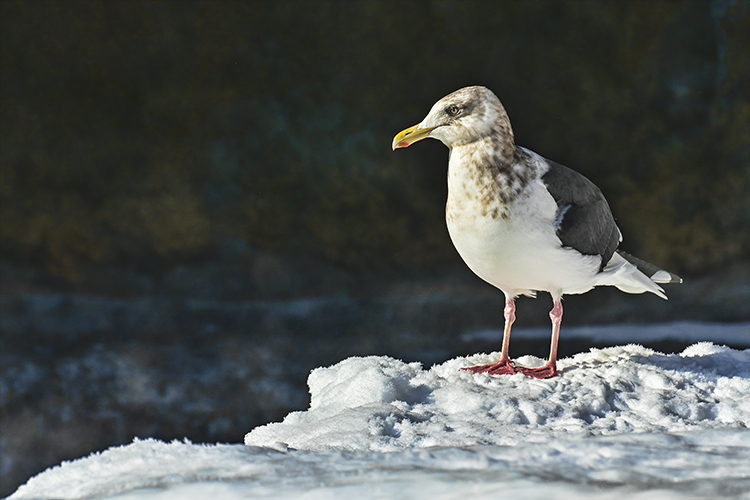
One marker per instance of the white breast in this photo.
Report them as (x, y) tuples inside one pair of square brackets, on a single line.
[(513, 247)]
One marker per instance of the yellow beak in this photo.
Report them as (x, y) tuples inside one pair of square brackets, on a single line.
[(407, 137)]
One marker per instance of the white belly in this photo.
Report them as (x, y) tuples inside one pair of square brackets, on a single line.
[(520, 253)]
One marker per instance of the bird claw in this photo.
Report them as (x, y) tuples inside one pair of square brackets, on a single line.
[(499, 368), (508, 368), (546, 371)]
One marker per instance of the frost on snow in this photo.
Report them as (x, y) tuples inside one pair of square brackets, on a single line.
[(382, 404)]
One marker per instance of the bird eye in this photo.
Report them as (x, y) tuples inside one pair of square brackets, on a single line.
[(453, 110)]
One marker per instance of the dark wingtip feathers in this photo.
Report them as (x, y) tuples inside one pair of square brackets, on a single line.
[(655, 274)]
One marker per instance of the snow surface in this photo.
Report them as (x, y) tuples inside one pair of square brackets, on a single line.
[(618, 422), (383, 404)]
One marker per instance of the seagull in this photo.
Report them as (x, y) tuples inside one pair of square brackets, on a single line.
[(524, 223)]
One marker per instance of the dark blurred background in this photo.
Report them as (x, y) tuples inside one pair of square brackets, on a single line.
[(199, 202)]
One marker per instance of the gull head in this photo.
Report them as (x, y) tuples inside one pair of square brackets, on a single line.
[(465, 116)]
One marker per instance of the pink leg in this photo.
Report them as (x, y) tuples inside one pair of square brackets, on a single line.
[(549, 369), (503, 366)]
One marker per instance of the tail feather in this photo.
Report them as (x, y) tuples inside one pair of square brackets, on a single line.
[(627, 277), (654, 273)]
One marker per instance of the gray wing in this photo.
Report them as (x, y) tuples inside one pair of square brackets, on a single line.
[(583, 221)]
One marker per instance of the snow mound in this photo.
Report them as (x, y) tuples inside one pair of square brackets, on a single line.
[(383, 404), (618, 422)]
